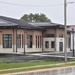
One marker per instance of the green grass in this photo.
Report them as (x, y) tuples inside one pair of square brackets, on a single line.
[(27, 64), (24, 64)]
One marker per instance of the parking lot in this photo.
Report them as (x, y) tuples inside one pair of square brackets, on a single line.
[(46, 56)]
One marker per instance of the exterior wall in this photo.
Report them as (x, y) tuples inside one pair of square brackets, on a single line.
[(70, 28), (57, 39), (5, 50), (57, 44), (34, 33), (48, 39), (21, 32)]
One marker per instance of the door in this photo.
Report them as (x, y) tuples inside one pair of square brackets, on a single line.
[(60, 46)]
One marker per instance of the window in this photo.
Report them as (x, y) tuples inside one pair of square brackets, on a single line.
[(60, 35), (49, 35), (7, 41), (52, 44), (29, 41), (36, 41), (18, 41), (22, 41), (46, 44), (68, 42), (40, 41)]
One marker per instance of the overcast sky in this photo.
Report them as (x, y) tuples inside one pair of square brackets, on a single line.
[(55, 10)]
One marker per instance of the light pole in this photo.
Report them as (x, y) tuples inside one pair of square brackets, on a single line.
[(65, 23), (65, 36)]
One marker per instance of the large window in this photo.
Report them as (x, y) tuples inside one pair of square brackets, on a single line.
[(22, 41), (36, 41), (60, 35), (46, 44), (40, 41), (49, 35), (52, 44), (18, 41), (68, 42), (7, 41), (29, 41)]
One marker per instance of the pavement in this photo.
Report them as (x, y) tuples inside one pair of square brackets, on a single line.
[(48, 56), (55, 54)]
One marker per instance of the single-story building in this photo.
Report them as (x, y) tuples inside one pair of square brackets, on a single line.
[(18, 36)]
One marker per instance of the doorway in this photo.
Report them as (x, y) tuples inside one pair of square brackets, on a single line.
[(60, 46)]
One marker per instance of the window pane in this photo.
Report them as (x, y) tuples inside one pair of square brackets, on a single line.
[(18, 41), (46, 44), (36, 41), (7, 41), (49, 35), (60, 35), (23, 41), (52, 44), (29, 41)]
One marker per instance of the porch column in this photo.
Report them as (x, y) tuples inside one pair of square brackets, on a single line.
[(16, 39), (55, 39), (24, 41), (13, 42)]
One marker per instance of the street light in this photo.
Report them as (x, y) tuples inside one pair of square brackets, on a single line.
[(65, 23)]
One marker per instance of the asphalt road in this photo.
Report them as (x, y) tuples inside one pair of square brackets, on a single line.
[(70, 54)]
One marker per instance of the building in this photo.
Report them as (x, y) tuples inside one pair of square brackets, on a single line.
[(17, 36), (72, 36)]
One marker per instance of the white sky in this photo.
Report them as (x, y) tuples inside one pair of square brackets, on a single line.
[(55, 13)]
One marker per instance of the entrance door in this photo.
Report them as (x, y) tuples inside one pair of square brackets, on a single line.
[(61, 46)]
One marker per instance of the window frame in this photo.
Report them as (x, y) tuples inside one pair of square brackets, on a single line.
[(49, 35), (8, 40), (52, 44), (19, 41), (61, 35), (29, 41), (46, 44)]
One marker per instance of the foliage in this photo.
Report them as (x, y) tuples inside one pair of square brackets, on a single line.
[(35, 17)]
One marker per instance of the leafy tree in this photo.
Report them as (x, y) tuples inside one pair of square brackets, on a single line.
[(35, 17)]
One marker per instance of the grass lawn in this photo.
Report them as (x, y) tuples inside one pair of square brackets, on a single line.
[(28, 64), (24, 64)]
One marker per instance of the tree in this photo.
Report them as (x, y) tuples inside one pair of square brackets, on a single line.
[(35, 17)]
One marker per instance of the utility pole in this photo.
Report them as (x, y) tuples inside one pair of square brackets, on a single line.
[(65, 36)]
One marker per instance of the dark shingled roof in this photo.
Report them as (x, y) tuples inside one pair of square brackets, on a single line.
[(11, 22), (46, 24), (6, 21)]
